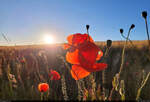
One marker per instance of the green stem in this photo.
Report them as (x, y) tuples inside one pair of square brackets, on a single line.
[(10, 83), (41, 96), (143, 84), (122, 62), (147, 32), (103, 73), (123, 52), (128, 39)]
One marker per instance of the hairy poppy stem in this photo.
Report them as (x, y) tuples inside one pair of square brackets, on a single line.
[(88, 32), (103, 81), (81, 85), (128, 39), (122, 58), (103, 75), (10, 82), (111, 93), (64, 88), (41, 96), (109, 42), (147, 32), (78, 82), (143, 84), (123, 52)]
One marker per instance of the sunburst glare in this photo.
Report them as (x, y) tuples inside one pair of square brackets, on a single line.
[(49, 39)]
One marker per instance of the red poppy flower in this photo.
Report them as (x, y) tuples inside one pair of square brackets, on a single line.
[(43, 87), (74, 41), (54, 75), (78, 38), (83, 53)]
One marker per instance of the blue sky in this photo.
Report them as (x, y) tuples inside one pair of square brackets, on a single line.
[(28, 20)]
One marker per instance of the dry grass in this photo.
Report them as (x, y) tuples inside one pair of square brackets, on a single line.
[(30, 65)]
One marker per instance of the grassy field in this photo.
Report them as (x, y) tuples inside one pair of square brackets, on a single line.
[(22, 68)]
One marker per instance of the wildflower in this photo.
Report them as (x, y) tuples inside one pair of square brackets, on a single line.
[(83, 53), (43, 87), (54, 75), (144, 14)]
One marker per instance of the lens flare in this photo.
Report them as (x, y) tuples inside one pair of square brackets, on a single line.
[(49, 39)]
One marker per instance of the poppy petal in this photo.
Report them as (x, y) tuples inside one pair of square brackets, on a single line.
[(69, 38), (78, 72), (99, 55), (87, 54), (98, 67), (54, 75), (72, 57), (78, 38), (66, 46), (89, 38), (81, 38)]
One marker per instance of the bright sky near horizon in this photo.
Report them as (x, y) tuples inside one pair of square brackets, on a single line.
[(28, 21)]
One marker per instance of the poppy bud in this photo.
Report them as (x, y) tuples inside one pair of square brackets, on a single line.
[(132, 26), (121, 31), (144, 14), (87, 27), (109, 42)]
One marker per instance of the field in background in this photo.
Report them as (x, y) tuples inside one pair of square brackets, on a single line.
[(137, 43), (31, 64)]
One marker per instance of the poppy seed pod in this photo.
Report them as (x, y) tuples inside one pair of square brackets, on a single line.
[(132, 26), (109, 42), (144, 14), (121, 31), (87, 27)]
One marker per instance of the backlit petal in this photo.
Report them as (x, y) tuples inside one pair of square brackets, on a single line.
[(87, 54), (78, 38), (54, 75), (98, 67), (72, 57), (78, 72), (99, 55), (66, 46), (89, 38), (69, 38)]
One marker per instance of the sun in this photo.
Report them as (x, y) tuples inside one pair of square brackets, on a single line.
[(49, 39)]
